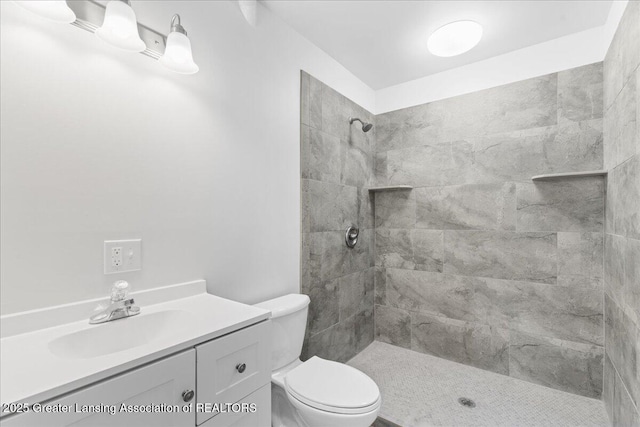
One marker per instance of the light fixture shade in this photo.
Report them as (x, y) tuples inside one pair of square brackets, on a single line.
[(54, 10), (454, 38), (177, 55), (120, 27)]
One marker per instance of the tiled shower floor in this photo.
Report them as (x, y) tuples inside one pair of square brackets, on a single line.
[(422, 390)]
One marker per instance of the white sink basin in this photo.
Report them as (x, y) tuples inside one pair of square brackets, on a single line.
[(47, 353), (122, 334)]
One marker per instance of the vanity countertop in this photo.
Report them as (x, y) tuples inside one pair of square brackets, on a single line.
[(33, 372)]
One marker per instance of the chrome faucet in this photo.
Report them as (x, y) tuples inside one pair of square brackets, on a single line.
[(121, 305)]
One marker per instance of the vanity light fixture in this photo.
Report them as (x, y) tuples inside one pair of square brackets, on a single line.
[(177, 55), (54, 10), (454, 38), (120, 27), (116, 24)]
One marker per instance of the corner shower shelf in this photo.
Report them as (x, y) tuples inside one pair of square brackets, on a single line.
[(390, 188), (554, 176)]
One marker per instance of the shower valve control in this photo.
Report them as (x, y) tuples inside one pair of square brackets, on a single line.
[(351, 236)]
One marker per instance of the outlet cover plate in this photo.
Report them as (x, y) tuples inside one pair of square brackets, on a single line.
[(121, 256)]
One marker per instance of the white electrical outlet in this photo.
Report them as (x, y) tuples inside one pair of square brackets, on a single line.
[(121, 256), (116, 257)]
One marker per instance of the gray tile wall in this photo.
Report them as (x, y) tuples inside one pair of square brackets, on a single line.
[(622, 224), (480, 265), (336, 169)]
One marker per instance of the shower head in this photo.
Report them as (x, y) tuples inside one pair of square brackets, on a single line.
[(366, 127)]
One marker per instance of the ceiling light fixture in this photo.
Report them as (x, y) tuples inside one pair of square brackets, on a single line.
[(454, 38), (120, 27), (177, 55), (54, 10)]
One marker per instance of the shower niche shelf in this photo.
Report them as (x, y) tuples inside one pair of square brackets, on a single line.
[(390, 188), (556, 176)]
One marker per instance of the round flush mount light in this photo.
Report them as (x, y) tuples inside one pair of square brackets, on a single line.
[(454, 38), (54, 10)]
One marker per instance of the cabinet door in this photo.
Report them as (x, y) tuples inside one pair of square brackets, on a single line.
[(159, 383), (261, 417), (234, 366)]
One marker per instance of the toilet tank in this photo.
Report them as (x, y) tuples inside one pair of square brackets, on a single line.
[(289, 321)]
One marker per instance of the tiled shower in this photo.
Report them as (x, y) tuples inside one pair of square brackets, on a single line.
[(622, 224), (476, 262), (336, 171), (480, 265)]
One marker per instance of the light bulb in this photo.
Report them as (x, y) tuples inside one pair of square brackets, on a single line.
[(177, 55), (54, 10), (120, 27)]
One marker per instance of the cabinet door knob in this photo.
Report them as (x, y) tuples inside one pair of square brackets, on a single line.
[(240, 367), (187, 395)]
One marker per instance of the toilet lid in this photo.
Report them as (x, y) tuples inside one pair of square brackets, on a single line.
[(332, 386)]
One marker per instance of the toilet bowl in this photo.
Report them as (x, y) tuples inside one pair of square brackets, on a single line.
[(318, 392)]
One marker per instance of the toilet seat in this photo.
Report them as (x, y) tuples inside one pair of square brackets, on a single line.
[(332, 387)]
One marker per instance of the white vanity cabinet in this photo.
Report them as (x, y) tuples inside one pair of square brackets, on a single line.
[(231, 372), (161, 382), (232, 367)]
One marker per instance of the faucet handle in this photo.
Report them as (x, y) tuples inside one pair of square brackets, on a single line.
[(119, 291)]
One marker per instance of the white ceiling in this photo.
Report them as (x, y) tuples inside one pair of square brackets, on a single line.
[(383, 42)]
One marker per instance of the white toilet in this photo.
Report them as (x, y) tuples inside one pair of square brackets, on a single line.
[(318, 392)]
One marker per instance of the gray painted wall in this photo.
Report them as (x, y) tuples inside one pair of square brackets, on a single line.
[(336, 168), (478, 264), (622, 238)]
